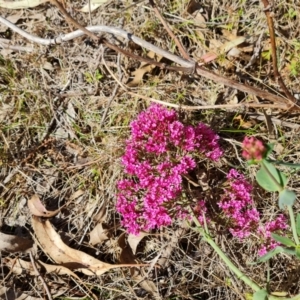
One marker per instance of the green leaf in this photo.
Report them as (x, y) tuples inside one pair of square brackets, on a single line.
[(270, 148), (260, 295), (298, 224), (283, 240), (281, 163), (289, 251), (269, 255), (266, 181), (298, 252), (286, 197)]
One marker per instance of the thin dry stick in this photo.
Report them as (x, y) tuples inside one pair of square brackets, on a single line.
[(170, 32), (277, 75), (187, 66), (73, 21), (221, 106), (114, 92), (243, 87), (39, 275)]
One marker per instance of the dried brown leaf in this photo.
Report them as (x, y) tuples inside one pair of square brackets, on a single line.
[(98, 235), (232, 43), (146, 284), (38, 209), (142, 70), (94, 5), (61, 270), (71, 258), (13, 243), (20, 266), (13, 294), (134, 240), (126, 255), (21, 3)]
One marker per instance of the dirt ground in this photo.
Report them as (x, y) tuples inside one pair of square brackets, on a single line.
[(65, 114)]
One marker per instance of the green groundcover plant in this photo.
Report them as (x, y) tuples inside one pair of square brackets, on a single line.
[(160, 153)]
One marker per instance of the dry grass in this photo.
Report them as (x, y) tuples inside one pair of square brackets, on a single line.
[(55, 143)]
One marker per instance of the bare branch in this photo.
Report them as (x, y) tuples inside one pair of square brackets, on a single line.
[(186, 66)]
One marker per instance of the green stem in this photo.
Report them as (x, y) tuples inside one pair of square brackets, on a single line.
[(228, 262), (232, 267), (293, 224)]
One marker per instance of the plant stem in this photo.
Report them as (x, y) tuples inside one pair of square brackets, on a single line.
[(232, 267), (293, 224), (228, 262)]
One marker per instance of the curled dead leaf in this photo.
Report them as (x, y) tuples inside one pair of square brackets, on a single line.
[(38, 209), (73, 259)]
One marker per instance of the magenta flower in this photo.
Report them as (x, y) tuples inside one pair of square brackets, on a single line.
[(253, 149), (277, 225), (159, 152), (238, 206), (242, 216)]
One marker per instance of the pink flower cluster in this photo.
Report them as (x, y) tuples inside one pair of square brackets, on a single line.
[(237, 205), (279, 224), (253, 149), (238, 208), (158, 153)]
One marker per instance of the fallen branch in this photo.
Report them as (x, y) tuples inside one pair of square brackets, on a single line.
[(186, 66)]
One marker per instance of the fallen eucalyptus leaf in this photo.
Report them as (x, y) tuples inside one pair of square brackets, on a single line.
[(73, 259), (38, 209), (20, 266)]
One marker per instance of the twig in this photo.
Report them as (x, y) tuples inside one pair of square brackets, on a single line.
[(186, 66), (277, 75), (170, 32), (114, 92), (39, 275), (199, 107), (243, 87), (5, 44), (73, 21)]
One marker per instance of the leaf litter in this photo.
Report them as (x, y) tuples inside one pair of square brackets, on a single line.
[(52, 244)]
